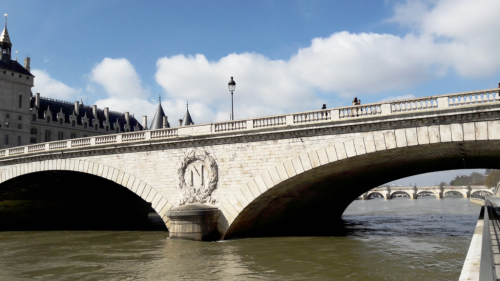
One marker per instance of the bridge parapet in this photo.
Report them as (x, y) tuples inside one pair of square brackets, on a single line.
[(316, 116)]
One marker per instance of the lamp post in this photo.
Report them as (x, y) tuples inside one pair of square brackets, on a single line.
[(232, 86)]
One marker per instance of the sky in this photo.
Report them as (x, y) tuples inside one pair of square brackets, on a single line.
[(285, 56)]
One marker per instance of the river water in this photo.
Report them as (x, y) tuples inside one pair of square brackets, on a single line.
[(399, 239)]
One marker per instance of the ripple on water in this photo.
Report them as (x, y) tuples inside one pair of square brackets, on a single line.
[(386, 240)]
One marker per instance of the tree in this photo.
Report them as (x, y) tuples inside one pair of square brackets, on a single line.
[(493, 178)]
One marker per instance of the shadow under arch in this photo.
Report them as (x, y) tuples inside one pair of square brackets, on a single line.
[(394, 194), (91, 187), (312, 201)]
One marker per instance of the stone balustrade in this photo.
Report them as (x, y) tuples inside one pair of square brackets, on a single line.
[(325, 115)]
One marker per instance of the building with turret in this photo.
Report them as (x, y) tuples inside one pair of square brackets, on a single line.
[(26, 118)]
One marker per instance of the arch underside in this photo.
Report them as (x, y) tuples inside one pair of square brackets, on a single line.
[(312, 202), (394, 194), (50, 200)]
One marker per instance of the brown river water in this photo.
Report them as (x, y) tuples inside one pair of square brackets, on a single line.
[(399, 239)]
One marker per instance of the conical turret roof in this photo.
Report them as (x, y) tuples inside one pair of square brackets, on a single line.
[(187, 120), (157, 122), (4, 37)]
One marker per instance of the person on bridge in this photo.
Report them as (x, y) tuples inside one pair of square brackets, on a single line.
[(356, 101), (324, 105)]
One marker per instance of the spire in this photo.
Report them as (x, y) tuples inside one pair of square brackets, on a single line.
[(5, 43), (187, 120), (157, 122)]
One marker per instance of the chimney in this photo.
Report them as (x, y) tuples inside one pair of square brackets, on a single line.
[(127, 117), (106, 113), (165, 122), (77, 108), (37, 100), (180, 122), (27, 63), (94, 111), (144, 122)]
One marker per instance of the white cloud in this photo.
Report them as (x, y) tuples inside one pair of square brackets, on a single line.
[(49, 87), (118, 78), (445, 36), (403, 97)]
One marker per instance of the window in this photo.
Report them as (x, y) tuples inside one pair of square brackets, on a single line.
[(73, 135), (73, 123), (85, 125), (32, 140), (33, 117), (48, 119), (33, 131), (18, 140), (20, 101), (6, 139), (20, 76), (85, 136), (6, 124), (20, 118), (7, 115), (107, 128), (117, 129), (60, 121), (192, 178), (60, 136), (20, 126), (95, 126), (47, 135)]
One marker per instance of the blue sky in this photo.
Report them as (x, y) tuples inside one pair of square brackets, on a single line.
[(285, 56)]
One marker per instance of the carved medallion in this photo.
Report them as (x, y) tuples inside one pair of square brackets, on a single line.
[(198, 177)]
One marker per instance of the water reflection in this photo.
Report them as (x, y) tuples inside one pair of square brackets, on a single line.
[(399, 239)]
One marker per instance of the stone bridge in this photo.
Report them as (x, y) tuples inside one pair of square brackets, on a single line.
[(413, 191), (290, 174)]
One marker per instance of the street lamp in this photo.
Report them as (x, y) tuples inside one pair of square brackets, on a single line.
[(232, 85)]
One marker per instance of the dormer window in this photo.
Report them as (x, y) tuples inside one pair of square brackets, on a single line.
[(61, 121), (73, 123), (85, 125), (48, 119), (95, 126)]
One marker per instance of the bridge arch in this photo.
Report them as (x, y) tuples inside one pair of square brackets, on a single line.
[(395, 193), (435, 193), (483, 192), (139, 187), (299, 191)]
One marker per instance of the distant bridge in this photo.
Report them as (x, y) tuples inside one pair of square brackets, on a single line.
[(287, 174), (413, 191)]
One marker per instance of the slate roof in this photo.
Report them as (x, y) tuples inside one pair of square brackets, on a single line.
[(68, 108), (187, 120), (157, 122), (14, 66)]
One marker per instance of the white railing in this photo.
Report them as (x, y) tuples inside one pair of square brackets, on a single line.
[(36, 147), (473, 98), (134, 136), (327, 115), (414, 104), (313, 116), (163, 133), (57, 145), (80, 142), (230, 126), (17, 150), (105, 139), (269, 121), (360, 110)]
